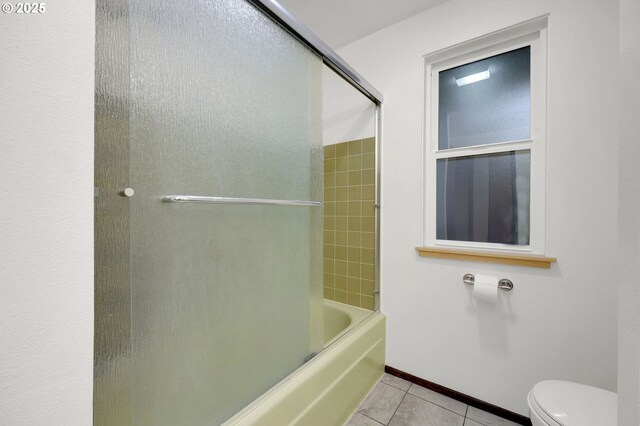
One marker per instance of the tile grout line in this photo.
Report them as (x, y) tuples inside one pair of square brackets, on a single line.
[(396, 410), (370, 417), (440, 406), (464, 416), (389, 384)]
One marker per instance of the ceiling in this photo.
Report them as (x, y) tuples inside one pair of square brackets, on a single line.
[(340, 22)]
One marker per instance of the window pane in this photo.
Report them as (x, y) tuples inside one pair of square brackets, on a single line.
[(496, 107), (484, 198)]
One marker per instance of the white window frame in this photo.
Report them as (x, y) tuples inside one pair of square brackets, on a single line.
[(531, 33)]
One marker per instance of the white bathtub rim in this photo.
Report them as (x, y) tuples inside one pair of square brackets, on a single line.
[(305, 369)]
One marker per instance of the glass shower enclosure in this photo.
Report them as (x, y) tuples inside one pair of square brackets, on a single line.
[(208, 226)]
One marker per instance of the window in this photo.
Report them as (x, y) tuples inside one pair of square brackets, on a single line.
[(485, 131)]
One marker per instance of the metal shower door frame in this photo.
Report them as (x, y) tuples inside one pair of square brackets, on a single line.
[(330, 58)]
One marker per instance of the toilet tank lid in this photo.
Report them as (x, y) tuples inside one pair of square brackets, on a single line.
[(574, 404)]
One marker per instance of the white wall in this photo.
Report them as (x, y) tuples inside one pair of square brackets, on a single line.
[(346, 114), (558, 323), (629, 254), (46, 215)]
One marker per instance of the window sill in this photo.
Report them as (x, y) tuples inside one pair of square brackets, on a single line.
[(529, 260)]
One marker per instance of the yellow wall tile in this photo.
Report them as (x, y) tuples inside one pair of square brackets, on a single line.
[(329, 293), (329, 194), (353, 299), (353, 284), (329, 251), (354, 254), (355, 147), (340, 282), (355, 193), (329, 208), (368, 255), (368, 192), (368, 177), (342, 164), (355, 162), (354, 269), (368, 224), (341, 253), (342, 179), (355, 177), (349, 222), (329, 151), (328, 279), (329, 223), (354, 239), (341, 223), (368, 145), (329, 180), (354, 208), (328, 265), (367, 240), (367, 209), (366, 302), (367, 270), (329, 238), (342, 238), (342, 193), (329, 165), (342, 149), (368, 162), (354, 223), (367, 287)]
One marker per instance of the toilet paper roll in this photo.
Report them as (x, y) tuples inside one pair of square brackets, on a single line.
[(485, 288)]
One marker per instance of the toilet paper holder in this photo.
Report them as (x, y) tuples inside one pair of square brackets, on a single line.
[(503, 284)]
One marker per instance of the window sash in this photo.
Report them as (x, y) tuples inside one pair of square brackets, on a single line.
[(469, 205), (456, 126), (536, 145), (493, 148), (433, 80)]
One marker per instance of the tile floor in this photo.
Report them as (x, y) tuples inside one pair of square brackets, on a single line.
[(397, 402)]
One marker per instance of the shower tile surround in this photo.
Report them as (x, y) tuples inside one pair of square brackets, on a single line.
[(349, 222)]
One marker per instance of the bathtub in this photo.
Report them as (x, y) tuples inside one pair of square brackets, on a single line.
[(326, 390)]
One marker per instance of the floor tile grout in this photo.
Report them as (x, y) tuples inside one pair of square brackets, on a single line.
[(402, 400), (396, 410), (438, 405), (389, 384), (371, 418)]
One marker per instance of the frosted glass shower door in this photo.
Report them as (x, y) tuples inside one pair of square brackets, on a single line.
[(224, 297)]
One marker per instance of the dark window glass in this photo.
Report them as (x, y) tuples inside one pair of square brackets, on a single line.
[(484, 198), (495, 108)]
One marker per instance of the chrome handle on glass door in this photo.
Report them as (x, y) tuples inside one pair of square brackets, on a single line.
[(232, 200)]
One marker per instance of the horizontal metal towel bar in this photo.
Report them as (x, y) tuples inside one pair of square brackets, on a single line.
[(231, 200)]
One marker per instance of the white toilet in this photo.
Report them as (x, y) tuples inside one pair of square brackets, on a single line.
[(560, 403)]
